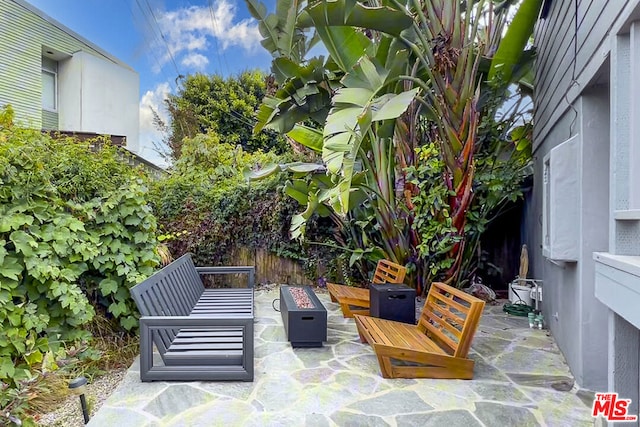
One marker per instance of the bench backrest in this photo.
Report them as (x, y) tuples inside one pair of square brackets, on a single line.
[(450, 318), (172, 291), (389, 272)]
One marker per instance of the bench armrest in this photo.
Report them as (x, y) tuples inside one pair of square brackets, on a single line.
[(236, 269), (162, 325), (225, 319)]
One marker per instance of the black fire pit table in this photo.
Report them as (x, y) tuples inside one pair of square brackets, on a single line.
[(303, 315)]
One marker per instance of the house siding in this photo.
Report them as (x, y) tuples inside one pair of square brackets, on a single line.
[(23, 34), (556, 51), (49, 120), (586, 86)]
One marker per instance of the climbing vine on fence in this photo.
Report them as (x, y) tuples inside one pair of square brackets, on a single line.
[(208, 208)]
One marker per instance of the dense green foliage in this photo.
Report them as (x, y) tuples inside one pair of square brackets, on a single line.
[(75, 233), (206, 207), (399, 76), (225, 106)]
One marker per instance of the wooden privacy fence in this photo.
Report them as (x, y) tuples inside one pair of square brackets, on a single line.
[(270, 268)]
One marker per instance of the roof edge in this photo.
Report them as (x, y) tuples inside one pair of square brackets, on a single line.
[(31, 8)]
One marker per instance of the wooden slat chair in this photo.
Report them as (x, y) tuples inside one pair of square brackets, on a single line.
[(356, 300), (201, 334), (437, 346)]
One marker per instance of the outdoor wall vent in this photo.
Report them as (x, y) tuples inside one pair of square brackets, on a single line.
[(560, 231)]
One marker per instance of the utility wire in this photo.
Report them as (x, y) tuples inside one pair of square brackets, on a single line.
[(154, 35), (173, 61), (231, 113), (216, 30)]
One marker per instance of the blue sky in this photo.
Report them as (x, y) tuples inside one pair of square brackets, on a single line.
[(179, 37)]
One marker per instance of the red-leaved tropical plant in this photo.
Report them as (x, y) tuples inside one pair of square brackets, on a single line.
[(400, 74)]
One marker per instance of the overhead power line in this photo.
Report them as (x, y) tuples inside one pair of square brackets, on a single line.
[(164, 39), (214, 24)]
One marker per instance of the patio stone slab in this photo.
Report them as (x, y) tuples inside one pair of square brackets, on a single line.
[(507, 334), (439, 419), (392, 403), (587, 397), (274, 333), (313, 357), (269, 419), (500, 392), (518, 372), (561, 408), (278, 393), (118, 416), (313, 376), (496, 414), (347, 349), (219, 413), (132, 393), (485, 371), (538, 380), (364, 363), (489, 346), (532, 361), (322, 399), (348, 419), (176, 399), (457, 396), (316, 420), (358, 383), (268, 348), (234, 390)]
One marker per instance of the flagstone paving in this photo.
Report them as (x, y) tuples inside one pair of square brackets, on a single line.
[(521, 379)]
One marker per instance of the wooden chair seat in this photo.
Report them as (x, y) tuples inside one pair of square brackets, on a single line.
[(356, 300), (437, 347)]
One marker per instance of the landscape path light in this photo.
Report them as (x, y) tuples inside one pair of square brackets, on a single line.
[(78, 386)]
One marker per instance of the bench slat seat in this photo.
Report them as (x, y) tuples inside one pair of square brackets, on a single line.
[(201, 334), (356, 300), (437, 347)]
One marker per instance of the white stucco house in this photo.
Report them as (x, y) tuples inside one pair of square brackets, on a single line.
[(57, 80), (584, 214)]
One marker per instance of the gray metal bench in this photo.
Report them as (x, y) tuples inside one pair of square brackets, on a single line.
[(200, 334)]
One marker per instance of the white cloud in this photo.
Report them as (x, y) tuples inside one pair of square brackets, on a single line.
[(152, 100), (190, 30), (195, 60)]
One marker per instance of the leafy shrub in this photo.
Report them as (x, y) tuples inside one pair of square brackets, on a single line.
[(206, 206), (75, 234), (432, 221), (212, 103)]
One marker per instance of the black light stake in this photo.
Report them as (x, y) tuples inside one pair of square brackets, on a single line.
[(78, 386)]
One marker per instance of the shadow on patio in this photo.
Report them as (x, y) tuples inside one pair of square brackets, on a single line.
[(521, 379)]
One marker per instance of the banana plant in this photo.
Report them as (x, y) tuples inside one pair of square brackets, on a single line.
[(392, 66)]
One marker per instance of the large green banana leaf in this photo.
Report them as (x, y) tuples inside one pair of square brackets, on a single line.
[(515, 40)]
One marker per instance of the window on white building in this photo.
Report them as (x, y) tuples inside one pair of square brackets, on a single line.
[(49, 84)]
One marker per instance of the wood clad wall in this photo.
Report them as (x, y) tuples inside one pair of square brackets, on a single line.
[(554, 39)]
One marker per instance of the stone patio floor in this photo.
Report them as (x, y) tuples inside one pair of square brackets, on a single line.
[(521, 379)]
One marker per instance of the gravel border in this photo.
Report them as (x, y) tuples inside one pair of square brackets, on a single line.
[(69, 414)]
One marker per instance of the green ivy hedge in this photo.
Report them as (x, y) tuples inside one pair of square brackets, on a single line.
[(75, 233), (206, 207)]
